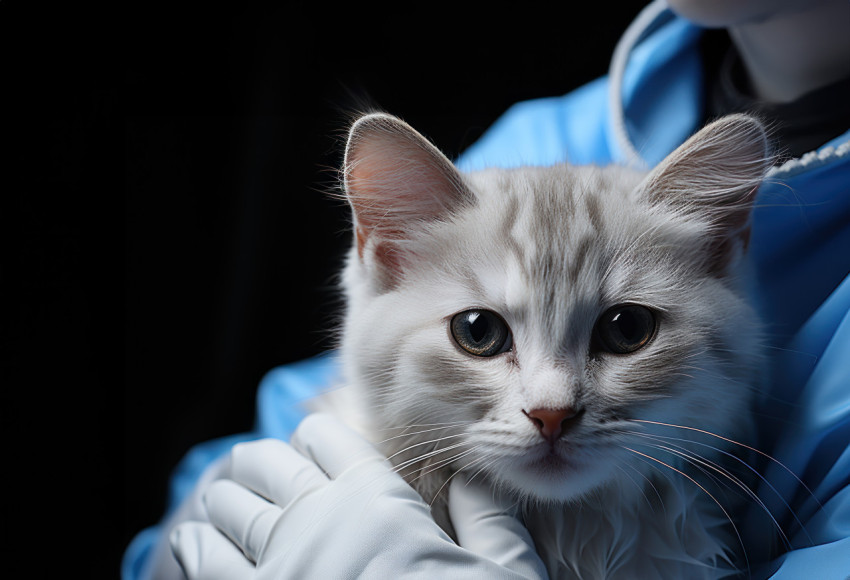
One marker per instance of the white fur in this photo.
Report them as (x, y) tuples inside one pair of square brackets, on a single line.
[(549, 250)]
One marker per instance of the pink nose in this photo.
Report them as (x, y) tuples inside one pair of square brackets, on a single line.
[(551, 422)]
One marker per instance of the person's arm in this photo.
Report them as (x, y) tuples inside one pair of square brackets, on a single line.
[(814, 373)]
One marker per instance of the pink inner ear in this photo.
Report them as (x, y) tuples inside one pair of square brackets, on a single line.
[(395, 180)]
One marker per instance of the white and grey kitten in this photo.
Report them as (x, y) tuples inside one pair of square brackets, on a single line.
[(546, 328)]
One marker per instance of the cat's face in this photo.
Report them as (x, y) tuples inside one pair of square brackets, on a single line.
[(518, 323)]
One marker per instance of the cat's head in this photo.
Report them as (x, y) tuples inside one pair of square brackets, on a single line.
[(521, 323)]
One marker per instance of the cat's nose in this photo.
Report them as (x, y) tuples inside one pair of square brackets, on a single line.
[(551, 422)]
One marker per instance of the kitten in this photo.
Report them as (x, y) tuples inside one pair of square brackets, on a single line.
[(546, 328)]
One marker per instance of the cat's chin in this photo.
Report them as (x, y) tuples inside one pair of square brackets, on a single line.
[(553, 477)]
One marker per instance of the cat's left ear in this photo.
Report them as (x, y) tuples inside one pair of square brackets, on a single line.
[(712, 179)]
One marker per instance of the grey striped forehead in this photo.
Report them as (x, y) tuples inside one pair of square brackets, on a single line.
[(550, 234)]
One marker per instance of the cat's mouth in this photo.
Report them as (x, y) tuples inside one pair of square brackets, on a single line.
[(551, 458), (552, 462), (557, 472)]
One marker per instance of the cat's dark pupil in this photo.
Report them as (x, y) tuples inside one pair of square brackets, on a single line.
[(628, 326), (480, 332), (479, 327), (625, 329)]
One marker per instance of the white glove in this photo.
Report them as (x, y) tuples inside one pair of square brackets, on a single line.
[(338, 510)]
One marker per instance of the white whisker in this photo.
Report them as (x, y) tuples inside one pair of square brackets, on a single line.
[(750, 493), (428, 455), (482, 469), (695, 482), (640, 487), (739, 444), (421, 443), (700, 462), (412, 433), (449, 478), (444, 462)]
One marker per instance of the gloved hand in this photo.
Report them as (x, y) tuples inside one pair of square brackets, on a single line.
[(338, 510)]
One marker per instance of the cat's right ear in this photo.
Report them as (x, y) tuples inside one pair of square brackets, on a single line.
[(395, 181)]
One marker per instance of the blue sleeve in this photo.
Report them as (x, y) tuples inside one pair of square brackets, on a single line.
[(183, 479), (813, 374), (572, 128), (279, 410)]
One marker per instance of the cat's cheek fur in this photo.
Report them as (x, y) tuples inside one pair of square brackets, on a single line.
[(397, 347)]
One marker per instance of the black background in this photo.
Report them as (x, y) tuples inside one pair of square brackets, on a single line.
[(169, 237)]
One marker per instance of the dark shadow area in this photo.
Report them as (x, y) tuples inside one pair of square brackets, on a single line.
[(174, 240)]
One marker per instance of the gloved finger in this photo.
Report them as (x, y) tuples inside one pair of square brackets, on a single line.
[(205, 554), (274, 470), (241, 515), (487, 524), (335, 446)]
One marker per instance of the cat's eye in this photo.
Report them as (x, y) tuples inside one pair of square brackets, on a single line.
[(625, 328), (481, 332)]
